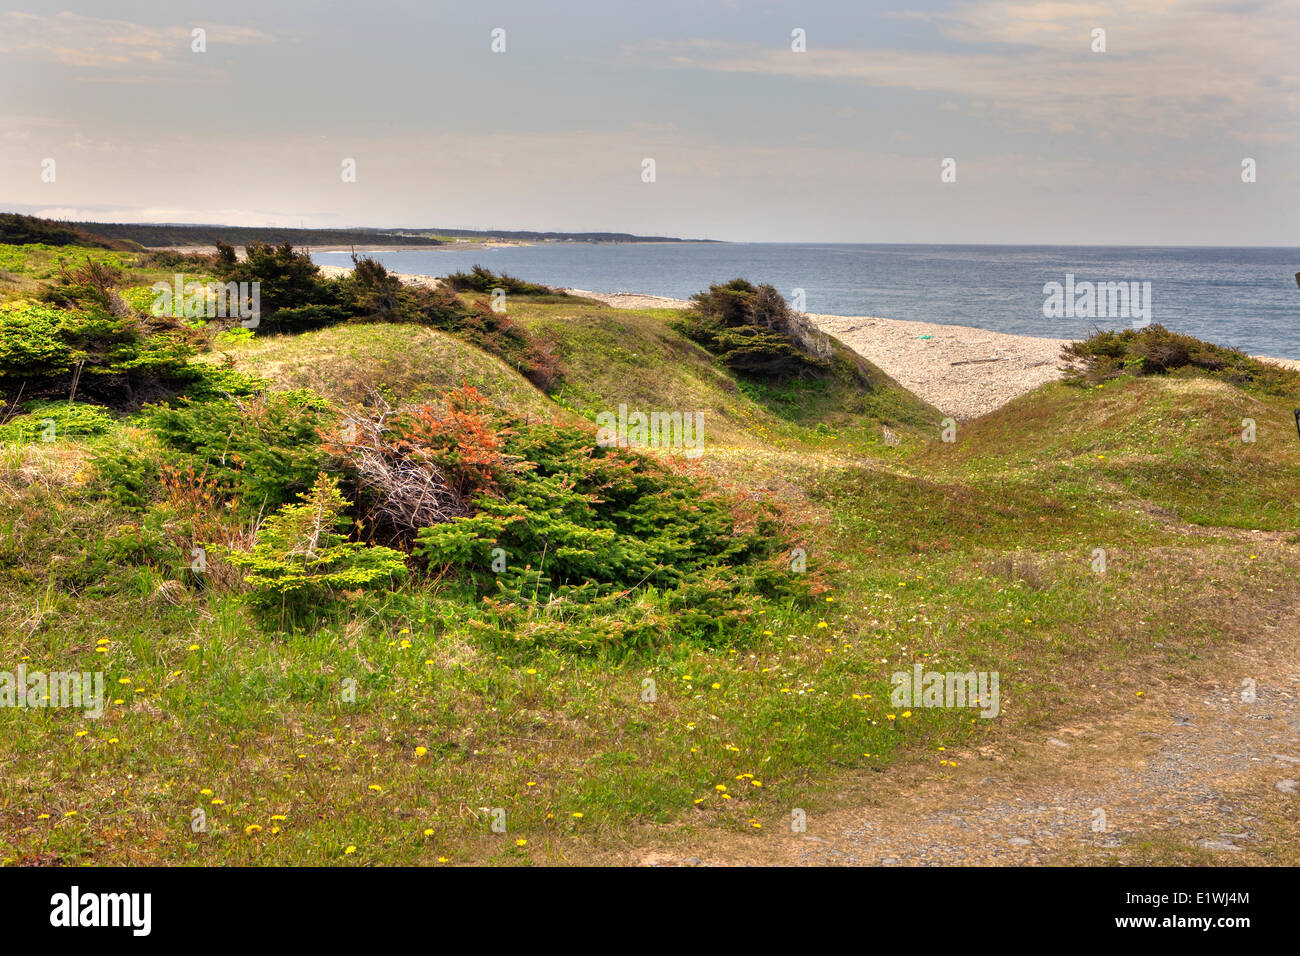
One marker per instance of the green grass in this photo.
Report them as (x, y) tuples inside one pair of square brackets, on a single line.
[(972, 555), (615, 357), (406, 363), (25, 268)]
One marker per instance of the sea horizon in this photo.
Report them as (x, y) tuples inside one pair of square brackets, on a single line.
[(1237, 296)]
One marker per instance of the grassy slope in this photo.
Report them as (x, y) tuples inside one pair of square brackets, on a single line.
[(405, 363), (973, 554), (24, 268)]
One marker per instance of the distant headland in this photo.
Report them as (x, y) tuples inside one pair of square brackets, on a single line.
[(169, 234)]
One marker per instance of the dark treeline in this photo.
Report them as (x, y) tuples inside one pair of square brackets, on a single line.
[(16, 228), (164, 234)]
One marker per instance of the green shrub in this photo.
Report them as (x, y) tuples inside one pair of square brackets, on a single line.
[(89, 286), (35, 341), (299, 559), (289, 283), (55, 421), (754, 332), (113, 361), (595, 528), (238, 335), (304, 318), (261, 453), (485, 280), (1154, 350)]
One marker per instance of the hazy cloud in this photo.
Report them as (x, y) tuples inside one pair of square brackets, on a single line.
[(99, 43)]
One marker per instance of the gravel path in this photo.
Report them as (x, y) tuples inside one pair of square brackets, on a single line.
[(1191, 774)]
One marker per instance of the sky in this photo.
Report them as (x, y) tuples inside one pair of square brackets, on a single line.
[(1052, 140)]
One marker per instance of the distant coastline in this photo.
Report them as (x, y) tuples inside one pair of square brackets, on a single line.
[(205, 236)]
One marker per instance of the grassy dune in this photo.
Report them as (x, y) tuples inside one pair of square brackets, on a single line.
[(976, 554)]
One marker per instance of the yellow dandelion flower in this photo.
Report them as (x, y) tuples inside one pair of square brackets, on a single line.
[(350, 850), (252, 828), (521, 842), (421, 751)]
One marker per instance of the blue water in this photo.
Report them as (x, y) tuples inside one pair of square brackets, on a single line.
[(1242, 297)]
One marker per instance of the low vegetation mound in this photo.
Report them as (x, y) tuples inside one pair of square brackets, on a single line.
[(296, 297), (94, 354), (479, 279), (1155, 350), (17, 229), (755, 332)]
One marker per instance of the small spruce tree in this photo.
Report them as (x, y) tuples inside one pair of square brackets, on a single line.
[(300, 557)]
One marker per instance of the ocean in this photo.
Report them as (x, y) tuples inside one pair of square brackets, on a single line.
[(1241, 297)]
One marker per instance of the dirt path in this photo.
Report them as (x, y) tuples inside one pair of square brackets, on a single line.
[(1188, 775)]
